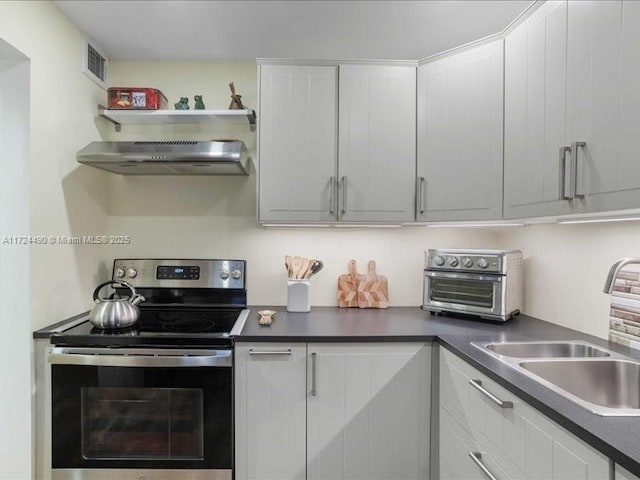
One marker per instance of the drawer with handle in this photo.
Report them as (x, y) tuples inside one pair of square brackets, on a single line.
[(526, 443), (462, 457)]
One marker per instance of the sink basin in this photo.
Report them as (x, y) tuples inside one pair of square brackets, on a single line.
[(604, 382), (546, 349), (604, 386)]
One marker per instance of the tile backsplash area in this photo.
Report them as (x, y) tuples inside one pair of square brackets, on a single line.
[(624, 319)]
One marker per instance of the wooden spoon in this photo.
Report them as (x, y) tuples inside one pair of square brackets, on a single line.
[(288, 260), (296, 265), (306, 263)]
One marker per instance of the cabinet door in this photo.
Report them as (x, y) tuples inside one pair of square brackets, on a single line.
[(377, 151), (535, 115), (270, 407), (297, 143), (460, 136), (603, 79), (368, 411)]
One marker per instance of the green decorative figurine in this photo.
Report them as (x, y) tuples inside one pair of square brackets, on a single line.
[(199, 103), (183, 104)]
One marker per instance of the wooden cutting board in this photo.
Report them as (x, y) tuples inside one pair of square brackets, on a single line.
[(373, 291), (348, 287)]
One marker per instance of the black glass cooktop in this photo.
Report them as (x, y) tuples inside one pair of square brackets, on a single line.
[(159, 326)]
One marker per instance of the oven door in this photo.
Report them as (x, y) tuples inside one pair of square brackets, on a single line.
[(472, 293), (150, 413)]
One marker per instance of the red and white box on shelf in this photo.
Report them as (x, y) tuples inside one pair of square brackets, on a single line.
[(136, 98)]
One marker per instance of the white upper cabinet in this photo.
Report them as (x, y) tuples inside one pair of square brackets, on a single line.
[(603, 84), (377, 146), (337, 157), (572, 103), (460, 136), (535, 115), (298, 143)]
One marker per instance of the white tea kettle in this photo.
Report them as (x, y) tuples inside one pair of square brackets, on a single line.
[(110, 313)]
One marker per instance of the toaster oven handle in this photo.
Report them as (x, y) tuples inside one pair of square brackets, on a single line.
[(464, 276), (106, 357)]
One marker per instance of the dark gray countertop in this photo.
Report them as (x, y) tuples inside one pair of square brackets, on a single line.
[(616, 437)]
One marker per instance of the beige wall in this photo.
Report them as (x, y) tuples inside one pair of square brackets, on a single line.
[(566, 266), (65, 199)]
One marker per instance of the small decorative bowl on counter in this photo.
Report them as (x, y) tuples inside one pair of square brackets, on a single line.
[(265, 317)]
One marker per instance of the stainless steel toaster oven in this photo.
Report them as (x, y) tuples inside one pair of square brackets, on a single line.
[(484, 283)]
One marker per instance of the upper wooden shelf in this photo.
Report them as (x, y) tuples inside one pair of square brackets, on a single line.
[(156, 117)]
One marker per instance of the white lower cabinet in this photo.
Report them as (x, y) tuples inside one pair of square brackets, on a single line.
[(368, 411), (333, 411), (623, 474), (270, 411), (513, 439)]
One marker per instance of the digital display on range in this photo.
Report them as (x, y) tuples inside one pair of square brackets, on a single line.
[(170, 272)]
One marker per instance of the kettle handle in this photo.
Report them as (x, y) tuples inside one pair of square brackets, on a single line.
[(96, 297)]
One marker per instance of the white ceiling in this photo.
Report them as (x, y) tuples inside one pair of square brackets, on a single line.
[(222, 30)]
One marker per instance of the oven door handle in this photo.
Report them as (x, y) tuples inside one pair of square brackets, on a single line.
[(464, 276), (139, 357)]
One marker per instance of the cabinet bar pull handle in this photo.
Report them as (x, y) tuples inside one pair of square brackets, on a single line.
[(332, 205), (477, 459), (313, 374), (575, 192), (270, 352), (563, 173), (343, 186), (421, 207), (477, 384)]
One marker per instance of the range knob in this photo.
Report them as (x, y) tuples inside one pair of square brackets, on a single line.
[(438, 260), (120, 272), (467, 262), (483, 262), (132, 273), (224, 274), (453, 261), (236, 274)]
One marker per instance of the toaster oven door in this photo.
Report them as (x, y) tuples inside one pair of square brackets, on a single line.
[(471, 293)]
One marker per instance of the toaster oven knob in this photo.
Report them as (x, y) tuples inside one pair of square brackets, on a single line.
[(438, 260), (224, 274), (483, 262), (453, 261), (236, 274), (120, 272), (467, 262), (132, 273)]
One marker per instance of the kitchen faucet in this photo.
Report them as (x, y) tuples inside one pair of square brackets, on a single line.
[(615, 269)]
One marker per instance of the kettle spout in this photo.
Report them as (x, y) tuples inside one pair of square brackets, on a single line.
[(137, 299)]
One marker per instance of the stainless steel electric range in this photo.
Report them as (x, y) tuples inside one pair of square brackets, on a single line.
[(155, 400)]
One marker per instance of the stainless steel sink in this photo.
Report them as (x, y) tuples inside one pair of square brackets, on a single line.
[(604, 386), (604, 382), (546, 349)]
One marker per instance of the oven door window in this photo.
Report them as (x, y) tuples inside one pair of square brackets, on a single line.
[(475, 293), (142, 423), (141, 417)]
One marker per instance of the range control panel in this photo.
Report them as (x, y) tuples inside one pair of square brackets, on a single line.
[(180, 273)]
